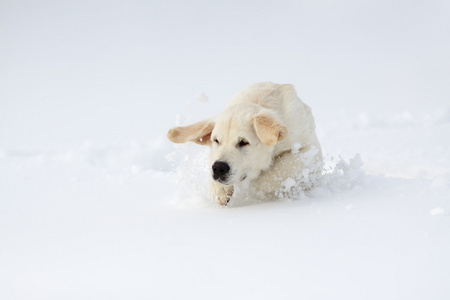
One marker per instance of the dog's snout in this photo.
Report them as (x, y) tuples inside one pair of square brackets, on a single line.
[(220, 169)]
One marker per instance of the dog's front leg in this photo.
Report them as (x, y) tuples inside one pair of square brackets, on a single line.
[(221, 193), (290, 166)]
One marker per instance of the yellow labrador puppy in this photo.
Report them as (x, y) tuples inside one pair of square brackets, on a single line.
[(265, 137)]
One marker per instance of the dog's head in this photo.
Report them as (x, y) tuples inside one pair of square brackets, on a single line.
[(242, 140)]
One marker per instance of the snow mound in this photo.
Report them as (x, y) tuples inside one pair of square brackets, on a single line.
[(122, 156), (439, 211), (340, 175)]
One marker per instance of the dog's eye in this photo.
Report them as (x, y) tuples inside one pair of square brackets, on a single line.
[(242, 143), (216, 141)]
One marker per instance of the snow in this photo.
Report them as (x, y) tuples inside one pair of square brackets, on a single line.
[(201, 97), (438, 211), (296, 147), (95, 203)]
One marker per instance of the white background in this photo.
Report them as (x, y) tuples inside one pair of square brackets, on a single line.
[(90, 208)]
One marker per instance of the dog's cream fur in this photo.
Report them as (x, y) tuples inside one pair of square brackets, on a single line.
[(266, 135)]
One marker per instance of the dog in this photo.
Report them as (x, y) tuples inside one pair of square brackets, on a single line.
[(265, 137)]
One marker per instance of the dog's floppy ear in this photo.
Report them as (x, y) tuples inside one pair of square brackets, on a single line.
[(199, 133), (268, 128)]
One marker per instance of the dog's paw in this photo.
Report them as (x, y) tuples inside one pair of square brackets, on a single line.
[(221, 193)]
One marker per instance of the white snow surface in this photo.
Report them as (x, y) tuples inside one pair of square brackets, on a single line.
[(95, 203)]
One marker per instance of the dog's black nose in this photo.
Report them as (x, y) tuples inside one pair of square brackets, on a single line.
[(220, 169)]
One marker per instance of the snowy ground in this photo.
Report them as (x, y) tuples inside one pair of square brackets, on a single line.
[(112, 221), (96, 204)]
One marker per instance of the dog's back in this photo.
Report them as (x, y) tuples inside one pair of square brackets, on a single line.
[(267, 94)]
